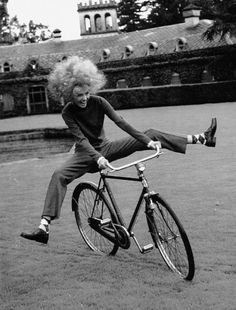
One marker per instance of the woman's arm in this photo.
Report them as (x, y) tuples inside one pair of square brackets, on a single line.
[(121, 123)]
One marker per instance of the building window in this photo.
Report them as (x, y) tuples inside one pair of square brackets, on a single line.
[(8, 102), (87, 24), (181, 45), (33, 64), (98, 23), (105, 54), (6, 67), (108, 21), (152, 48), (129, 50), (37, 100)]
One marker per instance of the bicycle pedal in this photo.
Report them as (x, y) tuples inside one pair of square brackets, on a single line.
[(147, 248), (105, 222)]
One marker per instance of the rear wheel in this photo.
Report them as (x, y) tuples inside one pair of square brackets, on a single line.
[(170, 238), (90, 206)]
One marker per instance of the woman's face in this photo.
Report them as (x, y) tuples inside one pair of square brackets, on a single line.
[(80, 95)]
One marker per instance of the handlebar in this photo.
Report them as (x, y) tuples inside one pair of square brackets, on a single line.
[(157, 154)]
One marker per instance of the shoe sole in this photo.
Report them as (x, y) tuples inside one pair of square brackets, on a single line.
[(211, 143)]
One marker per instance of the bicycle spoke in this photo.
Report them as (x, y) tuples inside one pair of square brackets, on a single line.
[(90, 204), (171, 240)]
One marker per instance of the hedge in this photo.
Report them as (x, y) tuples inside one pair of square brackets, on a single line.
[(168, 95)]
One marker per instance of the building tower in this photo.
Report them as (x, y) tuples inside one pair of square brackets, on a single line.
[(98, 18)]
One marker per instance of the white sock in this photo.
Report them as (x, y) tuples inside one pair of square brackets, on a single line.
[(44, 225), (189, 139)]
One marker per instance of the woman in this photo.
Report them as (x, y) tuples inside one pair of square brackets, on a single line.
[(76, 81)]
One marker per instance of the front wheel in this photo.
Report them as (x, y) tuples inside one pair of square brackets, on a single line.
[(90, 206), (170, 238)]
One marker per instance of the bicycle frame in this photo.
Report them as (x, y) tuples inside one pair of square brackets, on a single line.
[(146, 194), (141, 178), (106, 186)]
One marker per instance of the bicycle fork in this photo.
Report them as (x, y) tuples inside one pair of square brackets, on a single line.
[(146, 194), (150, 206)]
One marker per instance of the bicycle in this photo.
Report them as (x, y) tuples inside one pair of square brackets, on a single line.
[(103, 228)]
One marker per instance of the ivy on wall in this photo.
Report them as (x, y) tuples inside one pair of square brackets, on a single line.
[(220, 62)]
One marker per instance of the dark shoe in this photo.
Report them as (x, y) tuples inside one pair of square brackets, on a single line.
[(38, 235), (210, 134)]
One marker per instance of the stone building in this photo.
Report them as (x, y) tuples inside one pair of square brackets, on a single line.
[(147, 60)]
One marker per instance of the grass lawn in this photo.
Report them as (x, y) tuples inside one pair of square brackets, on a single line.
[(66, 275)]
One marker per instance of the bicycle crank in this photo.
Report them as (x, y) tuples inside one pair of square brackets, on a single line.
[(145, 249), (122, 236)]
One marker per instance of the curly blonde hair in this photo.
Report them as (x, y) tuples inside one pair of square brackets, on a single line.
[(74, 71)]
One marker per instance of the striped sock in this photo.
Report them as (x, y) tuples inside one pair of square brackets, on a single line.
[(194, 139)]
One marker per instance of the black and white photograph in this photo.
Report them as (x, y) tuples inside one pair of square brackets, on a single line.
[(117, 154)]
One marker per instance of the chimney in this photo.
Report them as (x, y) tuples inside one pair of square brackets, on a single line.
[(191, 14), (56, 35)]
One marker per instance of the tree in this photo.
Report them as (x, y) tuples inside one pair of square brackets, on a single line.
[(168, 12), (31, 33), (142, 14), (224, 15), (129, 13), (164, 12), (12, 31), (4, 18)]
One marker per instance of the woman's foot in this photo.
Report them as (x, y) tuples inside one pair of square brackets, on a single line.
[(38, 235), (41, 234), (210, 134), (206, 138)]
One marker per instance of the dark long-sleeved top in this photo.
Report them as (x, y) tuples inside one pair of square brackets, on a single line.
[(86, 125)]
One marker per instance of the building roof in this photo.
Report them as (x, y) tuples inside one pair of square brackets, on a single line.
[(49, 52)]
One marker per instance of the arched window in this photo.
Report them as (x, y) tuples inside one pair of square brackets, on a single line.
[(6, 67), (33, 64), (87, 23), (108, 21), (98, 23), (152, 48), (128, 51), (181, 45), (105, 54)]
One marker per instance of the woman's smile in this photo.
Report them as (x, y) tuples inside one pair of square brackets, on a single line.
[(81, 95)]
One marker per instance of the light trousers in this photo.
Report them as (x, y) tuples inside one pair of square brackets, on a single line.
[(79, 164)]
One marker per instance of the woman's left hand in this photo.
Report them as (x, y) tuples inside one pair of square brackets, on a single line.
[(154, 144)]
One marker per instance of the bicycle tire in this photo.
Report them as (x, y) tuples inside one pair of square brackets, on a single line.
[(171, 239), (83, 198)]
